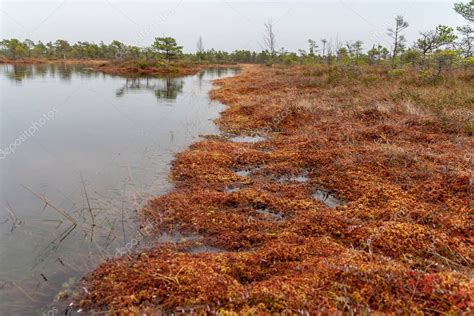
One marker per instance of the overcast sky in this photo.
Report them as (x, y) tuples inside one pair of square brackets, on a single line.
[(225, 25)]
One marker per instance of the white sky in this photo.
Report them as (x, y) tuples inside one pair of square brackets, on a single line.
[(223, 24)]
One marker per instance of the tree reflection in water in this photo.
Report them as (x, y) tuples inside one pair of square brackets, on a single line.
[(163, 88), (19, 72)]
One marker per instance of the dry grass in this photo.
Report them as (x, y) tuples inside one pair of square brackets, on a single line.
[(401, 242)]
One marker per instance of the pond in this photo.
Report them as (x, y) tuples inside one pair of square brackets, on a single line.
[(81, 152)]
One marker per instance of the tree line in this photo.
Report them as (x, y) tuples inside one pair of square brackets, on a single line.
[(442, 46)]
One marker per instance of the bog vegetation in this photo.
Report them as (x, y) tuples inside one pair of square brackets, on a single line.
[(356, 198), (443, 47)]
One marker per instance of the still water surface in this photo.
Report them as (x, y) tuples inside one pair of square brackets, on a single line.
[(81, 152)]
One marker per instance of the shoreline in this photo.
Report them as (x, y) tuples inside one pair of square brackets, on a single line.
[(178, 97), (36, 61), (291, 217), (124, 69)]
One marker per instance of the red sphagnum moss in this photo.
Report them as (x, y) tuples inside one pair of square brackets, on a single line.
[(401, 241)]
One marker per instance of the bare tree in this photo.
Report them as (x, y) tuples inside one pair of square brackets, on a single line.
[(324, 41), (269, 38), (357, 48), (398, 39), (467, 39), (200, 45), (338, 46), (329, 52), (200, 48)]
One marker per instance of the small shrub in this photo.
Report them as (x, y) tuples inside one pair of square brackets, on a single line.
[(396, 73), (142, 64), (469, 62), (426, 77), (370, 80)]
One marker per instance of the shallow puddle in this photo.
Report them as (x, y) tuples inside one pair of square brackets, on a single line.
[(233, 188), (175, 237), (328, 198), (247, 139), (246, 172), (270, 213), (243, 173), (290, 178)]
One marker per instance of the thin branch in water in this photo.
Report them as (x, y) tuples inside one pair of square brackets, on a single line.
[(44, 277), (135, 191), (24, 292), (67, 232), (89, 205), (45, 200), (15, 220), (123, 215), (112, 227)]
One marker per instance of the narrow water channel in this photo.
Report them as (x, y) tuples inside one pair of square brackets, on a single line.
[(81, 152)]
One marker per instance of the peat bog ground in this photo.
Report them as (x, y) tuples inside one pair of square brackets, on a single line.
[(348, 189)]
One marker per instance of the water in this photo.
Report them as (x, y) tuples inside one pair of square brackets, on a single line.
[(266, 212), (247, 139), (294, 178), (243, 173), (328, 198), (81, 152)]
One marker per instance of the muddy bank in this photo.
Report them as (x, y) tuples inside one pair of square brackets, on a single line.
[(355, 198)]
